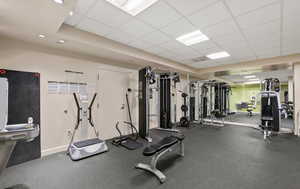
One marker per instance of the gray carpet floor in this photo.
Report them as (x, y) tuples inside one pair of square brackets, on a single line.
[(216, 158)]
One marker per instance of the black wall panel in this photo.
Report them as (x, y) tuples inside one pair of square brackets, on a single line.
[(23, 102)]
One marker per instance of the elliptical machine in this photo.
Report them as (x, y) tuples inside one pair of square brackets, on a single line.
[(270, 107), (85, 148)]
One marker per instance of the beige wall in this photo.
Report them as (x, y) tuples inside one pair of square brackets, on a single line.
[(55, 124)]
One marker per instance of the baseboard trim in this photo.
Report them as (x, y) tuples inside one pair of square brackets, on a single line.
[(54, 150)]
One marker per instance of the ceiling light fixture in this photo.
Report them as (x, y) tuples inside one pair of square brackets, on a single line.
[(192, 38), (61, 41), (252, 82), (42, 36), (254, 79), (218, 55), (59, 1), (132, 7), (249, 76)]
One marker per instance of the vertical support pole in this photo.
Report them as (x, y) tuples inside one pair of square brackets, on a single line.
[(296, 69)]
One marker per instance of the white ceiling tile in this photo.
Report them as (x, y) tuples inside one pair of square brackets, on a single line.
[(187, 61), (291, 29), (269, 53), (82, 6), (167, 54), (291, 23), (120, 36), (259, 17), (191, 6), (136, 28), (245, 59), (289, 51), (291, 7), (179, 28), (171, 45), (106, 13), (205, 64), (291, 45), (74, 20), (155, 49), (159, 15), (239, 7), (226, 27), (241, 53), (93, 26), (156, 37), (186, 52), (272, 27), (230, 41), (206, 47), (268, 41), (224, 61), (140, 44), (211, 15)]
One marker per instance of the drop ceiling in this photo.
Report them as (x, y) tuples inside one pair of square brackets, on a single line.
[(246, 29)]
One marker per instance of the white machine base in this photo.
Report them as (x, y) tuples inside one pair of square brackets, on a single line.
[(84, 149)]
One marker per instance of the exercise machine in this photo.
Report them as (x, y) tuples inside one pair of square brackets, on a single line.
[(214, 102), (11, 134), (270, 107), (156, 86), (85, 148), (128, 142), (149, 81), (251, 106), (146, 78), (167, 99)]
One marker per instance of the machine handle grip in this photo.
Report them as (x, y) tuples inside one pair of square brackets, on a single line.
[(18, 137), (90, 111)]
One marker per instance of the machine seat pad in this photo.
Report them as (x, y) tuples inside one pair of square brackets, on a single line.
[(267, 118), (162, 144), (89, 142)]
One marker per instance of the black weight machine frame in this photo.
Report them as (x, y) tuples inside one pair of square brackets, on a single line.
[(127, 141)]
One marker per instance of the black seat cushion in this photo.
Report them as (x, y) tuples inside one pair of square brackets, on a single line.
[(162, 144), (179, 136)]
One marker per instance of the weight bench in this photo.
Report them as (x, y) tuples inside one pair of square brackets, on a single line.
[(159, 149)]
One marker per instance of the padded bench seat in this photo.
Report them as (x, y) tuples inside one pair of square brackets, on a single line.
[(159, 149), (162, 144)]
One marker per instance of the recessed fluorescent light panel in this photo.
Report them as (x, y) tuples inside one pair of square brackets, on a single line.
[(59, 1), (61, 41), (254, 79), (252, 82), (132, 7), (192, 38), (250, 76), (218, 55)]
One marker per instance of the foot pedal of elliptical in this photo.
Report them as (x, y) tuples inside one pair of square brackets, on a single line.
[(131, 144)]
